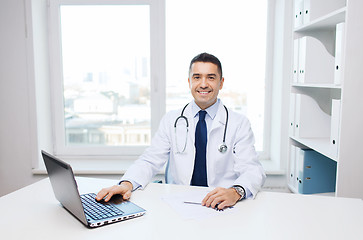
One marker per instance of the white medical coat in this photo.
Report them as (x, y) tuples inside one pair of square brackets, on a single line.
[(239, 165)]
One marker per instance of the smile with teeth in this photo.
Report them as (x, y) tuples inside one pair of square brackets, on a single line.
[(203, 92)]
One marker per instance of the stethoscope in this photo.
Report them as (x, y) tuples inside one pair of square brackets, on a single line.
[(222, 148)]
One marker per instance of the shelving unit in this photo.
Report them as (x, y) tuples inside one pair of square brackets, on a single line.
[(316, 85), (321, 145), (325, 98), (324, 23)]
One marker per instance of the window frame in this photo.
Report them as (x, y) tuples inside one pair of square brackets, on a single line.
[(157, 81), (157, 75)]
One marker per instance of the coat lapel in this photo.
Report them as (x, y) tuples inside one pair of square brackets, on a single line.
[(219, 120)]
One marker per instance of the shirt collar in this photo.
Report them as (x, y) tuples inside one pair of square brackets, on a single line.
[(211, 111)]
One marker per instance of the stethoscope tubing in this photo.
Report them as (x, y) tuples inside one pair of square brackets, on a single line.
[(225, 126), (222, 148)]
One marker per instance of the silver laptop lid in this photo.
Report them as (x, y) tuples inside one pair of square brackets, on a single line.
[(64, 185)]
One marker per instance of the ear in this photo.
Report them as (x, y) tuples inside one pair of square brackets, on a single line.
[(189, 83), (221, 83)]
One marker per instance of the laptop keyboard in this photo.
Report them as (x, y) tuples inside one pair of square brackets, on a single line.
[(96, 210)]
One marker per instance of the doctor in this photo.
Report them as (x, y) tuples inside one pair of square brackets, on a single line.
[(213, 148)]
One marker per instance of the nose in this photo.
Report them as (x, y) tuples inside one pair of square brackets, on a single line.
[(203, 83)]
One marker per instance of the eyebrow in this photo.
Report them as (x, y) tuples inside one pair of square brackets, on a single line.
[(209, 75)]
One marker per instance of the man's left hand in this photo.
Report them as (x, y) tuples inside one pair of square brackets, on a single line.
[(224, 197)]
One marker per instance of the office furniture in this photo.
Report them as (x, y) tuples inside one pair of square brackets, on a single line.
[(316, 172), (34, 213), (325, 89)]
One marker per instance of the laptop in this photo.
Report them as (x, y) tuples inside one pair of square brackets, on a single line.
[(84, 207)]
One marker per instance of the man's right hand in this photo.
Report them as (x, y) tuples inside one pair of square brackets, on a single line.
[(124, 189)]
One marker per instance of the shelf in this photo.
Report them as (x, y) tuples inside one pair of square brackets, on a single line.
[(321, 145), (294, 190), (326, 22), (316, 85)]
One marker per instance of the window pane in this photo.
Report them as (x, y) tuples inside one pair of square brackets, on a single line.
[(106, 74), (235, 32)]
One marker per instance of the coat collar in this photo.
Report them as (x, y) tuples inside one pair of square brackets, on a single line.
[(220, 117), (211, 111), (218, 114)]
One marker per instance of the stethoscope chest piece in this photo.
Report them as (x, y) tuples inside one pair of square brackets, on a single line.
[(223, 148)]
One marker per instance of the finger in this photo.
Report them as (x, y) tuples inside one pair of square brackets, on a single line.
[(211, 202), (205, 199), (101, 194), (127, 195), (109, 196), (218, 192), (216, 202), (112, 191), (223, 204)]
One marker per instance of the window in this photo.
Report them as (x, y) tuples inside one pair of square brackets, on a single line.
[(234, 31), (106, 77), (112, 86), (102, 76)]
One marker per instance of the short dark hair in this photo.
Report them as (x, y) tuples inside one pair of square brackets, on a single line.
[(206, 57)]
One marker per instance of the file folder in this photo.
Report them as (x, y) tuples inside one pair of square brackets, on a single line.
[(292, 114), (310, 120), (292, 162), (296, 61), (335, 126), (315, 63), (339, 53), (299, 8), (316, 173)]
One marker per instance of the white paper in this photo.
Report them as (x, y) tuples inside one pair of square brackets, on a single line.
[(192, 211)]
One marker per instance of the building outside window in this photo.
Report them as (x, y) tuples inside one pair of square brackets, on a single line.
[(109, 86)]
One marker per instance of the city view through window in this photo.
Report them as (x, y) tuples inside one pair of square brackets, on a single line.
[(106, 65), (106, 74)]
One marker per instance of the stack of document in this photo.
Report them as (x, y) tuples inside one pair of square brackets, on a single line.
[(189, 205)]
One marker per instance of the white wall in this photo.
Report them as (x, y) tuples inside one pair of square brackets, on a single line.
[(15, 140)]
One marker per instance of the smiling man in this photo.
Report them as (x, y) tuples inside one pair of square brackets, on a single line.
[(205, 80), (203, 144)]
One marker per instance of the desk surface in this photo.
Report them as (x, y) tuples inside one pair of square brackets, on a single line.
[(33, 212)]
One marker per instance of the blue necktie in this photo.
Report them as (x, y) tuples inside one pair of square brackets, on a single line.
[(199, 177)]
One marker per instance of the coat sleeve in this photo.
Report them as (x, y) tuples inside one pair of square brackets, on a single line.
[(153, 159), (250, 173)]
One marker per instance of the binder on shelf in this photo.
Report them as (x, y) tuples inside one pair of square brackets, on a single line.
[(316, 173), (335, 126), (316, 64), (310, 120), (292, 174), (339, 53), (296, 61), (292, 114), (299, 8), (314, 9)]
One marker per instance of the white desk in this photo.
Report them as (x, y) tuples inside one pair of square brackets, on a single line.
[(34, 213)]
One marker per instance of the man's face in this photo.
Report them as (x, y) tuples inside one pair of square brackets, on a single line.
[(205, 83)]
